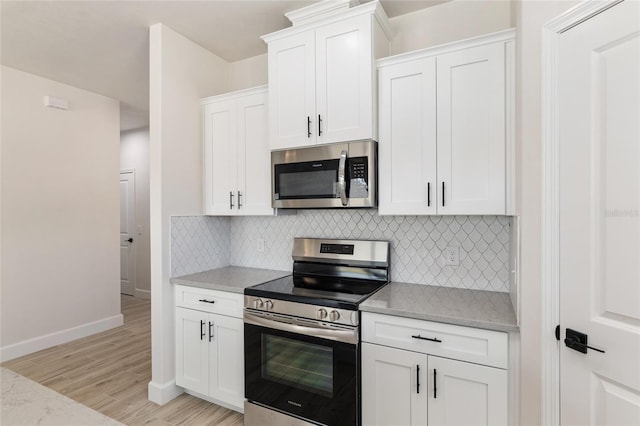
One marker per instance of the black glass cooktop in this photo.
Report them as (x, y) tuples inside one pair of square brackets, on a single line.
[(337, 292)]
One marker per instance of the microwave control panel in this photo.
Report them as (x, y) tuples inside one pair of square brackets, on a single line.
[(358, 177)]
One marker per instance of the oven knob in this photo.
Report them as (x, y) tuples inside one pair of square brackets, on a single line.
[(269, 305), (258, 304), (322, 313), (334, 315)]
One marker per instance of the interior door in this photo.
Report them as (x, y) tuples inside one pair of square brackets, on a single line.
[(127, 224), (599, 135)]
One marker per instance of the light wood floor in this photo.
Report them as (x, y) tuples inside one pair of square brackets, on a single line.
[(110, 371)]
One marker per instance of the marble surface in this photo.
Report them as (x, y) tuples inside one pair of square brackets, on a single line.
[(233, 279), (474, 308), (25, 402)]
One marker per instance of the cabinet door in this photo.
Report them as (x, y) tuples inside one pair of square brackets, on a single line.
[(254, 156), (407, 146), (192, 361), (344, 80), (226, 352), (461, 393), (471, 131), (220, 158), (292, 91), (390, 393)]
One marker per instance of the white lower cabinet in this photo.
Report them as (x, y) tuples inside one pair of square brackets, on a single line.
[(210, 352), (407, 387)]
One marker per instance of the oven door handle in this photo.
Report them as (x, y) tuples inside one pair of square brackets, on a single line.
[(346, 335), (342, 185)]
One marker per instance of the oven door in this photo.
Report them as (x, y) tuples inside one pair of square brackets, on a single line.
[(295, 371)]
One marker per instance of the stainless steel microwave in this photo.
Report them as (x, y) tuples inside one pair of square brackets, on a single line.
[(338, 175)]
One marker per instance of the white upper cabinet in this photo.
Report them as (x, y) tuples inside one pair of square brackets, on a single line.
[(446, 129), (237, 160), (322, 85)]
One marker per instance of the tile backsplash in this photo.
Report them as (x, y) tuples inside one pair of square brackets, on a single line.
[(417, 243)]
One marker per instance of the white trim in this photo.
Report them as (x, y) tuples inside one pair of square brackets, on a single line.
[(234, 95), (142, 294), (39, 343), (373, 8), (496, 37), (550, 264), (163, 393), (514, 378)]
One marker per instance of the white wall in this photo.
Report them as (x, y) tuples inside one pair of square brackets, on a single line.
[(531, 15), (447, 22), (248, 72), (181, 73), (60, 266), (134, 155)]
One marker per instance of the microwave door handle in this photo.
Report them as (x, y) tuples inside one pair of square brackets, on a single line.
[(341, 177)]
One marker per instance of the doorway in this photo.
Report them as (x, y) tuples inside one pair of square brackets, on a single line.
[(591, 224), (127, 225)]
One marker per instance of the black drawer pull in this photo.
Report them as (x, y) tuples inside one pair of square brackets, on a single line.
[(206, 301), (417, 378), (435, 386), (426, 338)]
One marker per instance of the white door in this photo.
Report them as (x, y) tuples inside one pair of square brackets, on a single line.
[(226, 355), (220, 158), (407, 146), (192, 350), (292, 98), (344, 81), (471, 131), (599, 138), (394, 386), (254, 156), (127, 224), (461, 393)]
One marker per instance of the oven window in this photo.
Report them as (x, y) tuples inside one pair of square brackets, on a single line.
[(298, 364), (308, 183)]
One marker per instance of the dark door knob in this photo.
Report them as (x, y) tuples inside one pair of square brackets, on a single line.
[(578, 342), (130, 240)]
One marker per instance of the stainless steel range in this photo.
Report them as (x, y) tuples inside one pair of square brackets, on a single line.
[(301, 334)]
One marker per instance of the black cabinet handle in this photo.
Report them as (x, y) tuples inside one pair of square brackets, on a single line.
[(207, 301), (435, 384), (427, 338), (418, 378), (428, 194), (201, 330), (442, 194), (239, 200), (319, 125), (210, 331), (231, 199), (308, 126)]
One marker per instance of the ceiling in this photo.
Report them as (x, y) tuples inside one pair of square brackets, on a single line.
[(103, 46)]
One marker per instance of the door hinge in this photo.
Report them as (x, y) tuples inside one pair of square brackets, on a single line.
[(558, 332)]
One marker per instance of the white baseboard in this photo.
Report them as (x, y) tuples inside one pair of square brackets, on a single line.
[(142, 294), (163, 393), (36, 344)]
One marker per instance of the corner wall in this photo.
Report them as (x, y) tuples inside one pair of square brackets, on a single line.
[(531, 15), (134, 155), (60, 216), (181, 73)]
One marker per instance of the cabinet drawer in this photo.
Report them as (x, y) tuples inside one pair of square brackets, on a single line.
[(450, 341), (213, 301)]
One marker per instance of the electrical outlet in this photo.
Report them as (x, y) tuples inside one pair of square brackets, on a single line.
[(452, 256), (260, 245)]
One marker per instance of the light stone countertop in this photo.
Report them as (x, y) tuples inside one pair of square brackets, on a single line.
[(474, 308), (233, 279)]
